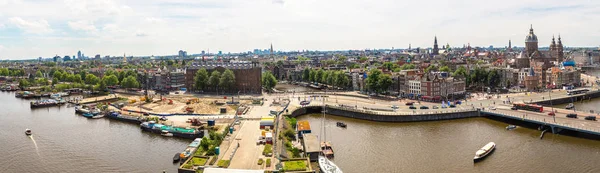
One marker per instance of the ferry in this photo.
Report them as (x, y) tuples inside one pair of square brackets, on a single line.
[(485, 151)]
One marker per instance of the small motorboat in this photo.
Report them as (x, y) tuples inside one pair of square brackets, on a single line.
[(27, 132), (484, 151), (177, 157), (166, 133), (570, 106), (98, 116), (341, 124), (88, 115), (511, 127)]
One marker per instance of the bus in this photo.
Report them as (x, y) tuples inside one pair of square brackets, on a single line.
[(528, 107), (577, 91)]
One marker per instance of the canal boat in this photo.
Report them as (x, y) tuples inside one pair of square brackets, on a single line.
[(484, 151), (570, 106), (27, 132), (511, 127), (341, 124), (181, 132), (88, 115), (177, 157)]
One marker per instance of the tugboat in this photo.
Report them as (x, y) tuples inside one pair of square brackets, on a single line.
[(27, 132), (341, 124), (570, 106), (485, 151)]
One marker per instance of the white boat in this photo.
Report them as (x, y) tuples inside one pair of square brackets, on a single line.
[(97, 116), (80, 109), (484, 151), (327, 166), (166, 133), (27, 132), (511, 127)]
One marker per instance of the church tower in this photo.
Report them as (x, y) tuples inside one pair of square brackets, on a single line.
[(509, 46), (559, 50), (531, 43), (436, 50)]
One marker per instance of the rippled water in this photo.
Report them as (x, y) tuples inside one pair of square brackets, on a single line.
[(67, 142), (449, 146)]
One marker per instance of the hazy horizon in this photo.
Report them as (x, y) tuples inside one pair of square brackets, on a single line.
[(34, 28)]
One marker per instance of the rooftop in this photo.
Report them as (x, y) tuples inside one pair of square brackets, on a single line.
[(311, 143), (303, 126)]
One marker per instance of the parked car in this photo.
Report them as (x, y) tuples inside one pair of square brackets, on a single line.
[(412, 107), (424, 107), (394, 107), (452, 106), (492, 108), (409, 103), (435, 107), (513, 108), (591, 118), (551, 114), (571, 115)]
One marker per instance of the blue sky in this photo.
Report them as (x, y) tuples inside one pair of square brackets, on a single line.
[(34, 28)]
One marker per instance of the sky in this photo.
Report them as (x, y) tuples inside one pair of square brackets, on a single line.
[(45, 28)]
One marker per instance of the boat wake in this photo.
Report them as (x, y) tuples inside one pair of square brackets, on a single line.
[(35, 144)]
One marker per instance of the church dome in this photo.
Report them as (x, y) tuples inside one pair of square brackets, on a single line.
[(531, 37)]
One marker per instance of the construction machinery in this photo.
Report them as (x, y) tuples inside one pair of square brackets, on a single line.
[(191, 101), (189, 109), (170, 102)]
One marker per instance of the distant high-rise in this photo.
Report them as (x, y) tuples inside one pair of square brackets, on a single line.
[(79, 55), (509, 46), (436, 50)]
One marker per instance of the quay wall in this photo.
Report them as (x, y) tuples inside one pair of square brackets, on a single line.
[(369, 116), (569, 99)]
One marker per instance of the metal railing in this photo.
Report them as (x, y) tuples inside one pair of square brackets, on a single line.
[(415, 112), (549, 122)]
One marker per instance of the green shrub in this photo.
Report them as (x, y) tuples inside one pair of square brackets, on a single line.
[(260, 161), (268, 162), (198, 161), (223, 163), (187, 166), (289, 134), (268, 149), (294, 166), (288, 144), (295, 152)]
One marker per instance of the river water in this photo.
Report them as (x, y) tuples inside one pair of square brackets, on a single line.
[(449, 146), (65, 142)]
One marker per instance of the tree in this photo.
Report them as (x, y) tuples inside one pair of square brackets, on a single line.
[(388, 65), (130, 82), (214, 79), (110, 80), (227, 80), (342, 80), (430, 68), (384, 82), (57, 74), (54, 81), (460, 71), (170, 62), (110, 72), (67, 58), (408, 66), (268, 80), (362, 59), (4, 72), (23, 83), (312, 75), (91, 79), (306, 74), (493, 78), (445, 69), (38, 74), (201, 79), (42, 81), (78, 79), (373, 80), (319, 76)]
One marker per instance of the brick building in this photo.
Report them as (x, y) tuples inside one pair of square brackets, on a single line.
[(247, 75)]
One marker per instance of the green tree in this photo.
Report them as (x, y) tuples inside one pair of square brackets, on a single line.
[(214, 79), (306, 74), (4, 72), (227, 80), (268, 80), (110, 80), (77, 79), (130, 82), (201, 79), (312, 75), (319, 76), (325, 77), (362, 59), (54, 81), (430, 68), (384, 82), (170, 62), (373, 80), (445, 69), (460, 71), (91, 79), (408, 66), (23, 83), (342, 80), (38, 74), (57, 74), (493, 78)]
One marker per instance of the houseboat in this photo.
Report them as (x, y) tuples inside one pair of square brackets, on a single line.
[(46, 103), (188, 133), (484, 151), (125, 118), (327, 149)]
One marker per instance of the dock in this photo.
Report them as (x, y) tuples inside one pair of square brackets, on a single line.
[(96, 99)]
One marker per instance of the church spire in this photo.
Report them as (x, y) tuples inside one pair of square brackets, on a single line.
[(436, 50)]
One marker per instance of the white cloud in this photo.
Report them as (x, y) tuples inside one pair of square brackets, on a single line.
[(278, 1), (83, 25), (154, 20), (35, 27)]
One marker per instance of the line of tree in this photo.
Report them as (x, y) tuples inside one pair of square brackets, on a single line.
[(216, 80), (377, 81), (335, 78), (268, 80), (12, 72), (479, 77)]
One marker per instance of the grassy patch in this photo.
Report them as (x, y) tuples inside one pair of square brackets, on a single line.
[(268, 150), (294, 166), (213, 160), (198, 161), (260, 161), (223, 163), (268, 163)]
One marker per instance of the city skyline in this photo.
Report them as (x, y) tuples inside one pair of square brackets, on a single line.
[(140, 28)]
